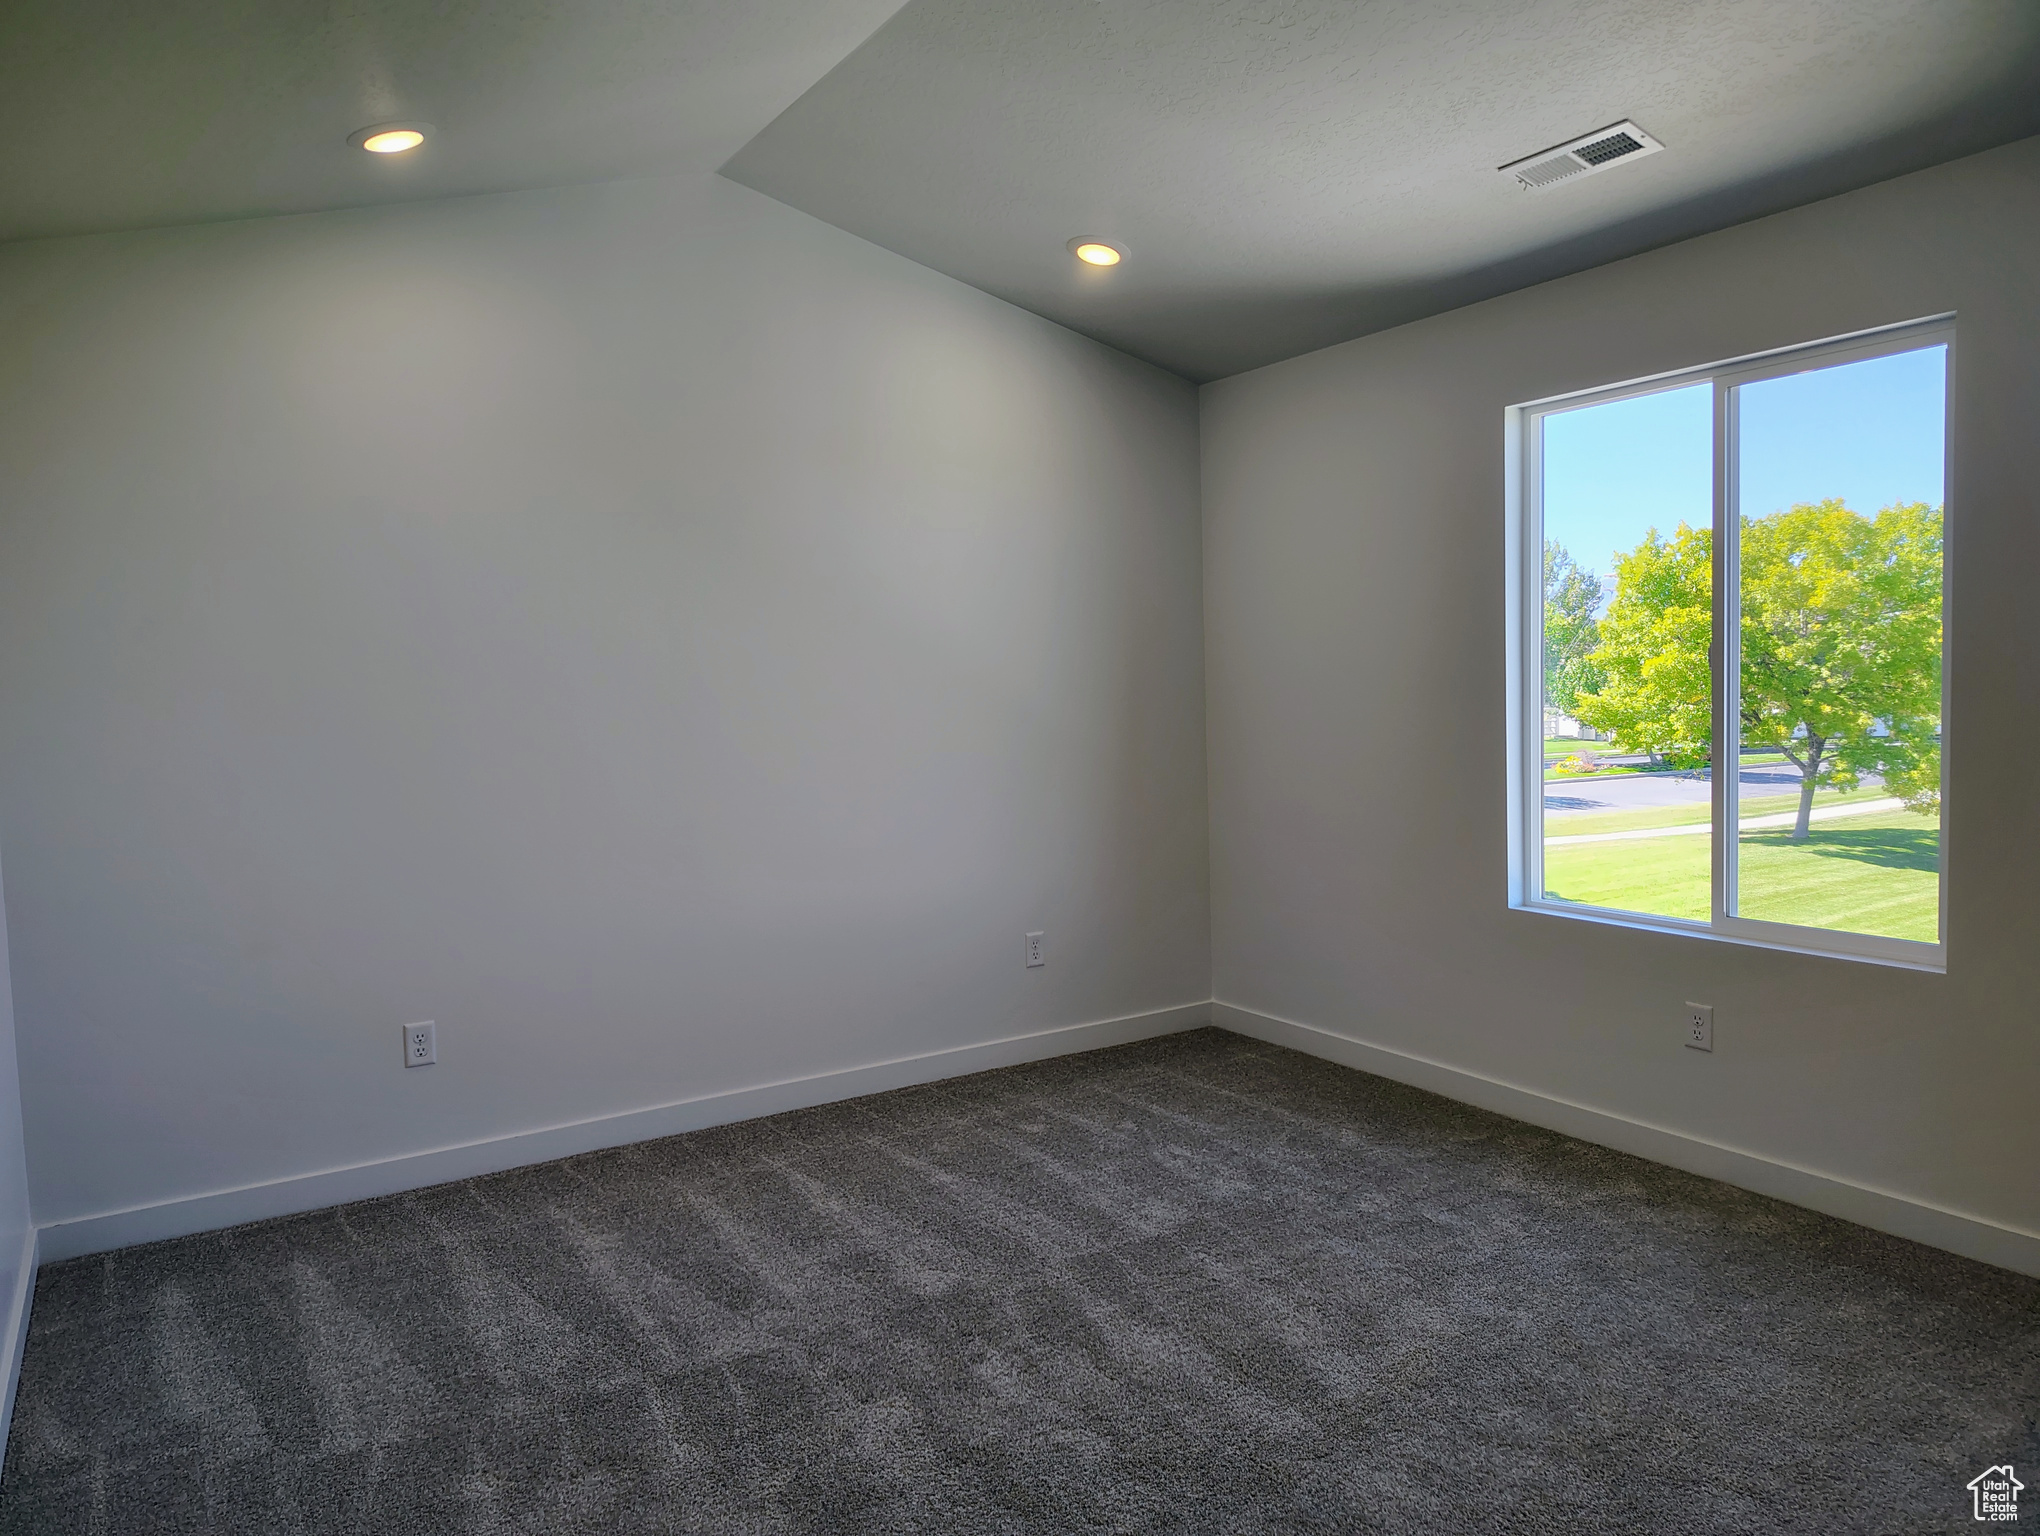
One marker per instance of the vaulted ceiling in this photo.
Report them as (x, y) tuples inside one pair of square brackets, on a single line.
[(1284, 173), (1290, 173), (128, 113)]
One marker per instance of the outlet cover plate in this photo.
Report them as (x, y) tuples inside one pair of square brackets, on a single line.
[(421, 1044), (1700, 1026), (1035, 942)]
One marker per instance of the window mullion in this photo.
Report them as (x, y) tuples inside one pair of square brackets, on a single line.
[(1533, 749), (1726, 761)]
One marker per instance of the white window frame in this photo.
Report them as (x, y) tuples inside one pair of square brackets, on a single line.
[(1523, 440)]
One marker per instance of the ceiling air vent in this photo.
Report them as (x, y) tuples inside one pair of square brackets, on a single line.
[(1582, 157)]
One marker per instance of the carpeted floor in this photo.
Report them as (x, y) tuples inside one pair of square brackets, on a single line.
[(1198, 1284)]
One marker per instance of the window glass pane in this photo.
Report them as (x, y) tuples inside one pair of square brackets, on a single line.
[(1839, 789), (1628, 497)]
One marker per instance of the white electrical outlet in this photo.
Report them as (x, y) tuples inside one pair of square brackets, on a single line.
[(421, 1047), (1034, 950), (1700, 1026)]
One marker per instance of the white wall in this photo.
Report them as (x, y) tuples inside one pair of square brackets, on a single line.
[(1354, 529), (668, 642), (17, 1229)]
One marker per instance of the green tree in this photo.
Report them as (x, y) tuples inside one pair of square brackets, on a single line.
[(1841, 643), (1654, 692), (1571, 594)]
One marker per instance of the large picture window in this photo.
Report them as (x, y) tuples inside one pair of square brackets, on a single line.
[(1729, 665)]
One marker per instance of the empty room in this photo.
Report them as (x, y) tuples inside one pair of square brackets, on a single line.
[(1019, 766)]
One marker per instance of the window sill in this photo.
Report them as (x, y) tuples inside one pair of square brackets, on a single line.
[(1903, 954)]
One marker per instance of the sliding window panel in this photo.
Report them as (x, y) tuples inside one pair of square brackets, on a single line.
[(1837, 499), (1624, 494)]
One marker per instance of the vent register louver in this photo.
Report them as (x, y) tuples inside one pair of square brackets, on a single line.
[(1585, 155)]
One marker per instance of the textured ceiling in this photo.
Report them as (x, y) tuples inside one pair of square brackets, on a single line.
[(123, 113), (1290, 173), (1287, 173)]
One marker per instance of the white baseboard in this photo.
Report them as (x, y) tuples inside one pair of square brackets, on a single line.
[(16, 1336), (363, 1181), (1973, 1237)]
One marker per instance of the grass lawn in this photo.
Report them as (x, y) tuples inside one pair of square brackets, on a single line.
[(1860, 874), (1557, 747), (1553, 776)]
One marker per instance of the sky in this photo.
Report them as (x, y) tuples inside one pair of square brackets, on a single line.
[(1870, 433)]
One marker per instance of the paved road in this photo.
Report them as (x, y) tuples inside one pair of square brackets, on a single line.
[(1637, 791)]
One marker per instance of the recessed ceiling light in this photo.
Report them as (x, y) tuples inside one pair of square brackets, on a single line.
[(1098, 253), (389, 138)]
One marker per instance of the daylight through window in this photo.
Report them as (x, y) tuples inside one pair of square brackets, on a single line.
[(1732, 649)]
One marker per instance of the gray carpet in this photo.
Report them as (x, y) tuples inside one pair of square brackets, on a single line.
[(1198, 1284)]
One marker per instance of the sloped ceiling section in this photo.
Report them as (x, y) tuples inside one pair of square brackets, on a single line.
[(1291, 173), (128, 113)]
